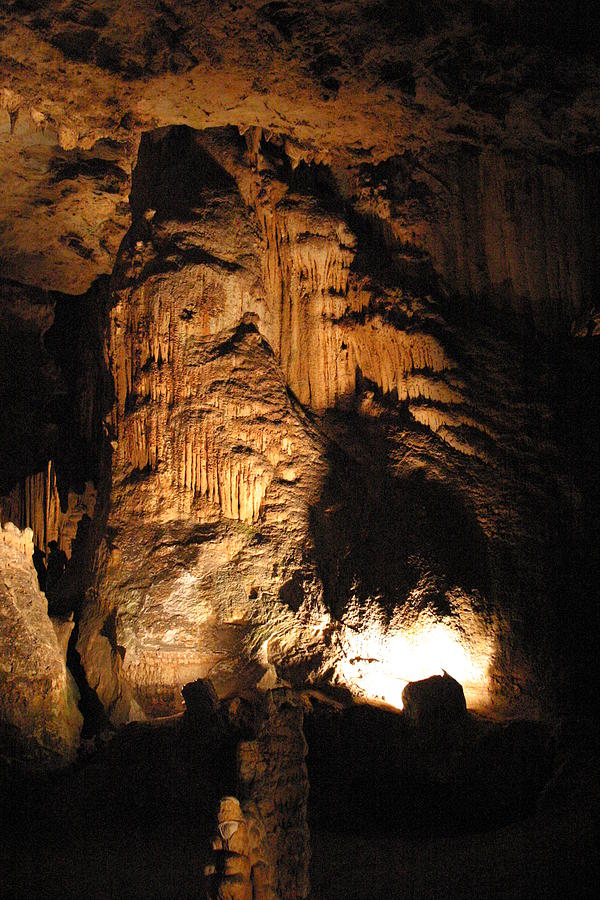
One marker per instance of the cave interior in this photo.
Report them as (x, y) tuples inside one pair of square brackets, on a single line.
[(299, 445)]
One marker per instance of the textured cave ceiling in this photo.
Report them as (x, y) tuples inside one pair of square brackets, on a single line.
[(350, 83)]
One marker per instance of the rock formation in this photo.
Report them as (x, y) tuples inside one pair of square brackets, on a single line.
[(439, 699), (241, 869), (39, 719), (272, 774), (35, 503), (307, 400), (499, 93), (514, 229), (303, 455)]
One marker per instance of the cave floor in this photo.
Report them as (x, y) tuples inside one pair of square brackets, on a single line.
[(531, 859), (134, 820)]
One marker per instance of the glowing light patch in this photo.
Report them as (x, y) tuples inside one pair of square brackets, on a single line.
[(377, 664)]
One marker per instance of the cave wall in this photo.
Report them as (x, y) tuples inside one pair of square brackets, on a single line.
[(501, 92), (296, 457), (35, 503), (328, 395), (305, 462), (514, 229)]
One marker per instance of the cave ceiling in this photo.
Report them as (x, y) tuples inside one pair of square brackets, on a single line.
[(351, 84)]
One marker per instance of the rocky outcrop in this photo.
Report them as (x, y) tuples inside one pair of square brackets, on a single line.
[(314, 475), (39, 719), (434, 701)]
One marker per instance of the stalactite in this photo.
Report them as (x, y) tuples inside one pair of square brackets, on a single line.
[(35, 503)]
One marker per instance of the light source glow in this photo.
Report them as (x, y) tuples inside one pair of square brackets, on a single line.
[(376, 663)]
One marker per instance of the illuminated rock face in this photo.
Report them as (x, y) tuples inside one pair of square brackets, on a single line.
[(39, 718), (213, 466), (312, 472)]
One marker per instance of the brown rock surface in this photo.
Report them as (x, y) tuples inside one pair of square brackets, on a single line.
[(240, 868), (39, 719), (313, 414), (313, 472)]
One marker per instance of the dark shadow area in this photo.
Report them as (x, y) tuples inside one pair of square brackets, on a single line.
[(95, 720), (481, 809), (83, 453), (573, 571), (547, 590), (548, 24), (31, 388), (132, 818), (373, 772), (174, 173), (56, 566), (316, 180), (108, 176), (39, 564), (75, 344), (376, 535)]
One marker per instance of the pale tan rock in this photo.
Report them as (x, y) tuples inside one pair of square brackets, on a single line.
[(39, 719), (241, 866), (63, 628)]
